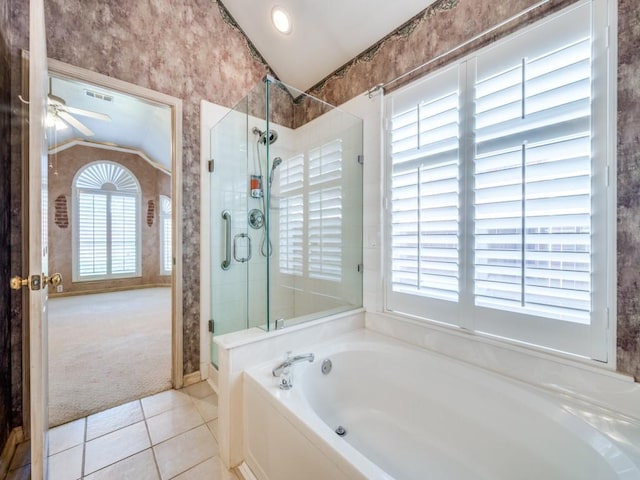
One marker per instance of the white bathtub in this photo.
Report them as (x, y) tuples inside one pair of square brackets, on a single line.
[(413, 414)]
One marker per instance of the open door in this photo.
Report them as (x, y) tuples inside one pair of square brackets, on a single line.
[(37, 279), (38, 258)]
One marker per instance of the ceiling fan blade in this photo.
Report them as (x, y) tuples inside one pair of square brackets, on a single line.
[(88, 113), (75, 123)]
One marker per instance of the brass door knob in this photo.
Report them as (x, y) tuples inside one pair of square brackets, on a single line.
[(17, 282), (53, 280)]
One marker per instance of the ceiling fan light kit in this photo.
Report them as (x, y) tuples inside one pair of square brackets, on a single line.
[(61, 116)]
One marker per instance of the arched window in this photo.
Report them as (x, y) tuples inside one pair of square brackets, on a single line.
[(106, 233), (166, 256)]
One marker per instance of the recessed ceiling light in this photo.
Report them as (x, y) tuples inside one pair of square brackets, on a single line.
[(281, 20)]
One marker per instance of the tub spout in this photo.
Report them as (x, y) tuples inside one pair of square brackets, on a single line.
[(284, 369)]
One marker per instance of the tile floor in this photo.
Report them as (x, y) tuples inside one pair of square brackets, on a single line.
[(171, 435)]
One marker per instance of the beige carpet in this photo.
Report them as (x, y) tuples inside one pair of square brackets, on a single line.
[(107, 349)]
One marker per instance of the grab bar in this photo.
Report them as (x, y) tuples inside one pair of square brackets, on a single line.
[(235, 248), (226, 217)]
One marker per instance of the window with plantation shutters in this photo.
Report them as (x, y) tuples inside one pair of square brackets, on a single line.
[(499, 203), (166, 255), (106, 240), (311, 184)]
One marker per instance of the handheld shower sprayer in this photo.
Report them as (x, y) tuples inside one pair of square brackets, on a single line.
[(276, 163)]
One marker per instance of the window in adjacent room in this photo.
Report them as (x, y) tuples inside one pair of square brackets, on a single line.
[(106, 234)]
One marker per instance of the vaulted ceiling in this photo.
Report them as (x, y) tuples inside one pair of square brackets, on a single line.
[(324, 34)]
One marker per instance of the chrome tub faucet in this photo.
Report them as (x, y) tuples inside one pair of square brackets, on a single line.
[(284, 369)]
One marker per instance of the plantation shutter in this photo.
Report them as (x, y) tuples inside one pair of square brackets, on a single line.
[(424, 189), (532, 173), (325, 212), (92, 234), (166, 257), (123, 234), (291, 215)]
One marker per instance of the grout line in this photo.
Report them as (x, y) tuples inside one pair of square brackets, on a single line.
[(194, 466), (153, 452)]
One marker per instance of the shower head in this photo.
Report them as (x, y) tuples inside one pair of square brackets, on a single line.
[(262, 136)]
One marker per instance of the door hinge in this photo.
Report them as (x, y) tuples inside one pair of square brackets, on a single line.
[(210, 325), (210, 165), (361, 159)]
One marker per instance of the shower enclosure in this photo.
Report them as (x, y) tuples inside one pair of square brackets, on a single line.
[(286, 207)]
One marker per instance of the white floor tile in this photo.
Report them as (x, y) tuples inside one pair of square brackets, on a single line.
[(212, 469), (66, 465), (113, 419), (163, 401), (208, 407), (22, 456), (185, 451), (66, 436), (141, 466), (115, 446), (173, 422), (199, 390)]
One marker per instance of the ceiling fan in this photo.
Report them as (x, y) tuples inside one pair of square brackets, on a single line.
[(57, 107)]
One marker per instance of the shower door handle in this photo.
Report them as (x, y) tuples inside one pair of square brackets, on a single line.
[(226, 218), (235, 248)]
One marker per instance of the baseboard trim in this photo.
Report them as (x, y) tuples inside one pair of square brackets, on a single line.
[(245, 472), (191, 378), (15, 437), (74, 293)]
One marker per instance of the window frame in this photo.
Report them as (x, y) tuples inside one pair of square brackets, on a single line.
[(595, 342), (76, 277)]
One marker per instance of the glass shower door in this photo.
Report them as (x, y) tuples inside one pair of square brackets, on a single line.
[(231, 250)]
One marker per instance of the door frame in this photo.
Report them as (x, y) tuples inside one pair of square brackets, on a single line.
[(175, 104)]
